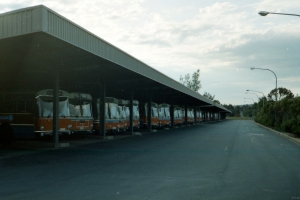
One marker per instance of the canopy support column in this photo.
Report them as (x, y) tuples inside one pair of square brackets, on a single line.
[(131, 113), (172, 114), (195, 114), (186, 111), (56, 108), (149, 123), (102, 110)]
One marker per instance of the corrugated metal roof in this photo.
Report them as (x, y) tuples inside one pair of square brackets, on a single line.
[(42, 19)]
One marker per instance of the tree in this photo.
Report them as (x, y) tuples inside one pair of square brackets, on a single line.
[(217, 101), (209, 96), (231, 108), (192, 82), (281, 94)]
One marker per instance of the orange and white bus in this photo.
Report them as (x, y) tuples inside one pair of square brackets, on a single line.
[(80, 105), (136, 115), (44, 120), (123, 118), (30, 115), (178, 119), (199, 116), (144, 115), (112, 116), (190, 116), (164, 115)]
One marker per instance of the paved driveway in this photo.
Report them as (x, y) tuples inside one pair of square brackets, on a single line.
[(226, 160)]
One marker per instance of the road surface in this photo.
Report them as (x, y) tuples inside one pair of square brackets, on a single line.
[(233, 159)]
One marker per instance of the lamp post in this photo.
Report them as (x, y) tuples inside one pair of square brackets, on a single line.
[(257, 100), (261, 93), (265, 13), (252, 68), (252, 100), (251, 108)]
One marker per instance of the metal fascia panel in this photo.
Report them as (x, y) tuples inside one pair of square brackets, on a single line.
[(21, 22)]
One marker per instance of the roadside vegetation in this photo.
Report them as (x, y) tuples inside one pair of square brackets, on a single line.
[(282, 115), (280, 110)]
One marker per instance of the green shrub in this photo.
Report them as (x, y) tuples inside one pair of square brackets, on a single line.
[(282, 115)]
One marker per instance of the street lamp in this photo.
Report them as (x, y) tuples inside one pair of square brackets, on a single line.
[(257, 100), (261, 93), (251, 99), (251, 108), (252, 68), (265, 13), (253, 103)]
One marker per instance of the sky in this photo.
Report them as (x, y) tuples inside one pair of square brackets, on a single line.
[(223, 39)]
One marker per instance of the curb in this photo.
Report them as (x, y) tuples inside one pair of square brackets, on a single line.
[(284, 135)]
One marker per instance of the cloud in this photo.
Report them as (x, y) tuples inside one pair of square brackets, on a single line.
[(218, 38), (277, 6)]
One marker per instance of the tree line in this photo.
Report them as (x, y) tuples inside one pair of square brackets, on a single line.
[(282, 115), (279, 110)]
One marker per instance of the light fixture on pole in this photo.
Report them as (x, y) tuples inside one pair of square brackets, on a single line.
[(265, 13), (253, 104), (251, 99), (251, 107), (257, 99), (261, 93), (252, 68)]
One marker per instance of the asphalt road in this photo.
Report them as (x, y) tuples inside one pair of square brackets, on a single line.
[(225, 160)]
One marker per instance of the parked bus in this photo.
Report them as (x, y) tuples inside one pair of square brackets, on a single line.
[(144, 114), (178, 119), (183, 116), (190, 116), (96, 114), (117, 115), (136, 115), (208, 116), (123, 118), (164, 118), (112, 115), (44, 122), (199, 117), (80, 105), (216, 116), (30, 115), (17, 113)]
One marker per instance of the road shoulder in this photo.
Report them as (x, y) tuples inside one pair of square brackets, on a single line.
[(282, 134)]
